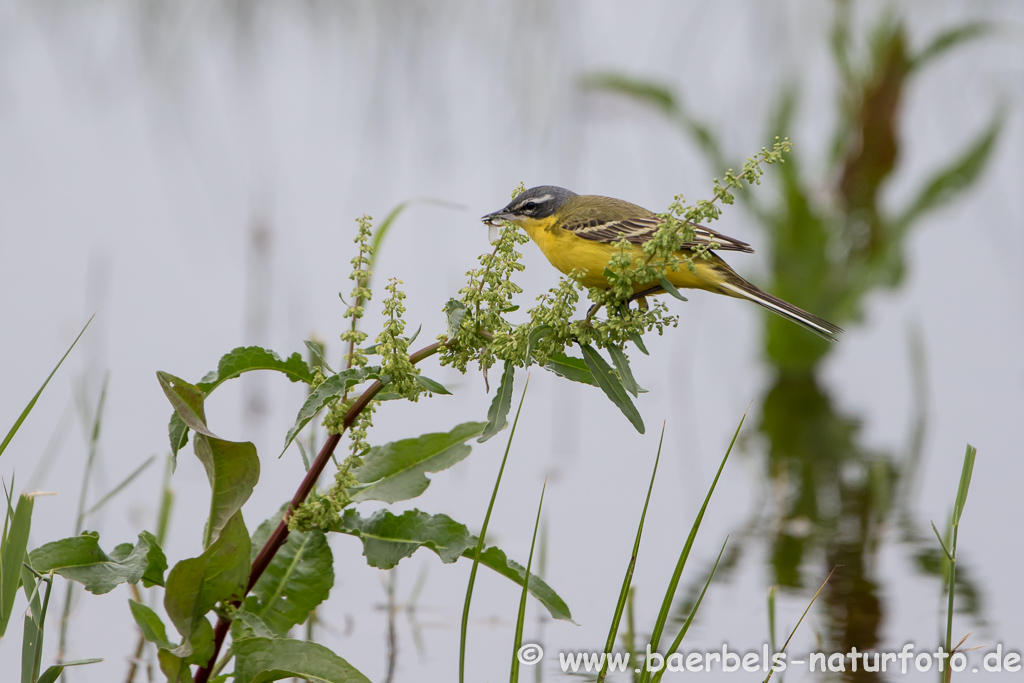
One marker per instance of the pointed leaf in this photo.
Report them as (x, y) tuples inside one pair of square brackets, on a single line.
[(397, 470), (298, 579), (497, 414), (80, 559), (430, 385), (571, 368), (639, 341), (31, 404), (152, 627), (259, 660), (611, 385), (318, 354), (671, 289), (331, 388), (12, 554), (388, 538), (233, 469), (196, 585), (625, 374), (177, 434), (54, 672), (187, 400)]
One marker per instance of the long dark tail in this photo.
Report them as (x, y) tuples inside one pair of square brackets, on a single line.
[(736, 286)]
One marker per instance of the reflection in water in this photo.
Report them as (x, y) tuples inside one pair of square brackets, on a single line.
[(829, 250)]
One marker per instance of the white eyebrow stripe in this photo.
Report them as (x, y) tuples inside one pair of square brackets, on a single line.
[(539, 200)]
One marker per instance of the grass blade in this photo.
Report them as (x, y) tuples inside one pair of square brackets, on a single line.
[(12, 553), (693, 612), (32, 403), (800, 621), (514, 676), (965, 483), (483, 536), (958, 510), (628, 578), (666, 605)]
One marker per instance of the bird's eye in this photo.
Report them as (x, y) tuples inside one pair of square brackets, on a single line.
[(530, 206)]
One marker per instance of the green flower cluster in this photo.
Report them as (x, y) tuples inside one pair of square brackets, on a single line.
[(479, 330), (360, 293), (393, 347)]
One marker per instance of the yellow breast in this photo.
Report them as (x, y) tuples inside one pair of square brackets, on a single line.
[(567, 252)]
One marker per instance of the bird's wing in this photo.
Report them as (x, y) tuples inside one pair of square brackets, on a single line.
[(639, 230)]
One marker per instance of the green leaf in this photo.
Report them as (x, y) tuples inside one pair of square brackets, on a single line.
[(671, 289), (248, 625), (397, 470), (173, 667), (430, 385), (639, 341), (187, 400), (196, 585), (80, 559), (35, 617), (625, 374), (497, 414), (31, 404), (54, 672), (149, 622), (233, 469), (965, 483), (536, 334), (611, 385), (496, 559), (248, 358), (298, 579), (331, 388), (389, 538), (13, 545), (258, 660), (177, 434), (571, 368), (455, 312), (317, 352)]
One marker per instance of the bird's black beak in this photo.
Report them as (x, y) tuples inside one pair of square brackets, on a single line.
[(493, 218)]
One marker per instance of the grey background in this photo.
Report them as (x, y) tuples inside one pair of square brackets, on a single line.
[(141, 144)]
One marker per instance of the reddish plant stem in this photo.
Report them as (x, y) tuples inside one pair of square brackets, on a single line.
[(280, 535)]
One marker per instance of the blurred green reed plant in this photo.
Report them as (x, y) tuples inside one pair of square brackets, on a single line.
[(831, 243), (239, 599)]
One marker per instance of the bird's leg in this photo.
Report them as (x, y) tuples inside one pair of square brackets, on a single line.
[(590, 313)]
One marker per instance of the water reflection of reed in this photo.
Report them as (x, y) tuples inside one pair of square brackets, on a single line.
[(833, 496)]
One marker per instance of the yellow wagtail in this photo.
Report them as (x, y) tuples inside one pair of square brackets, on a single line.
[(580, 231)]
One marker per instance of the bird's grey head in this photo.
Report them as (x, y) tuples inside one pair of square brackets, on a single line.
[(537, 202)]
